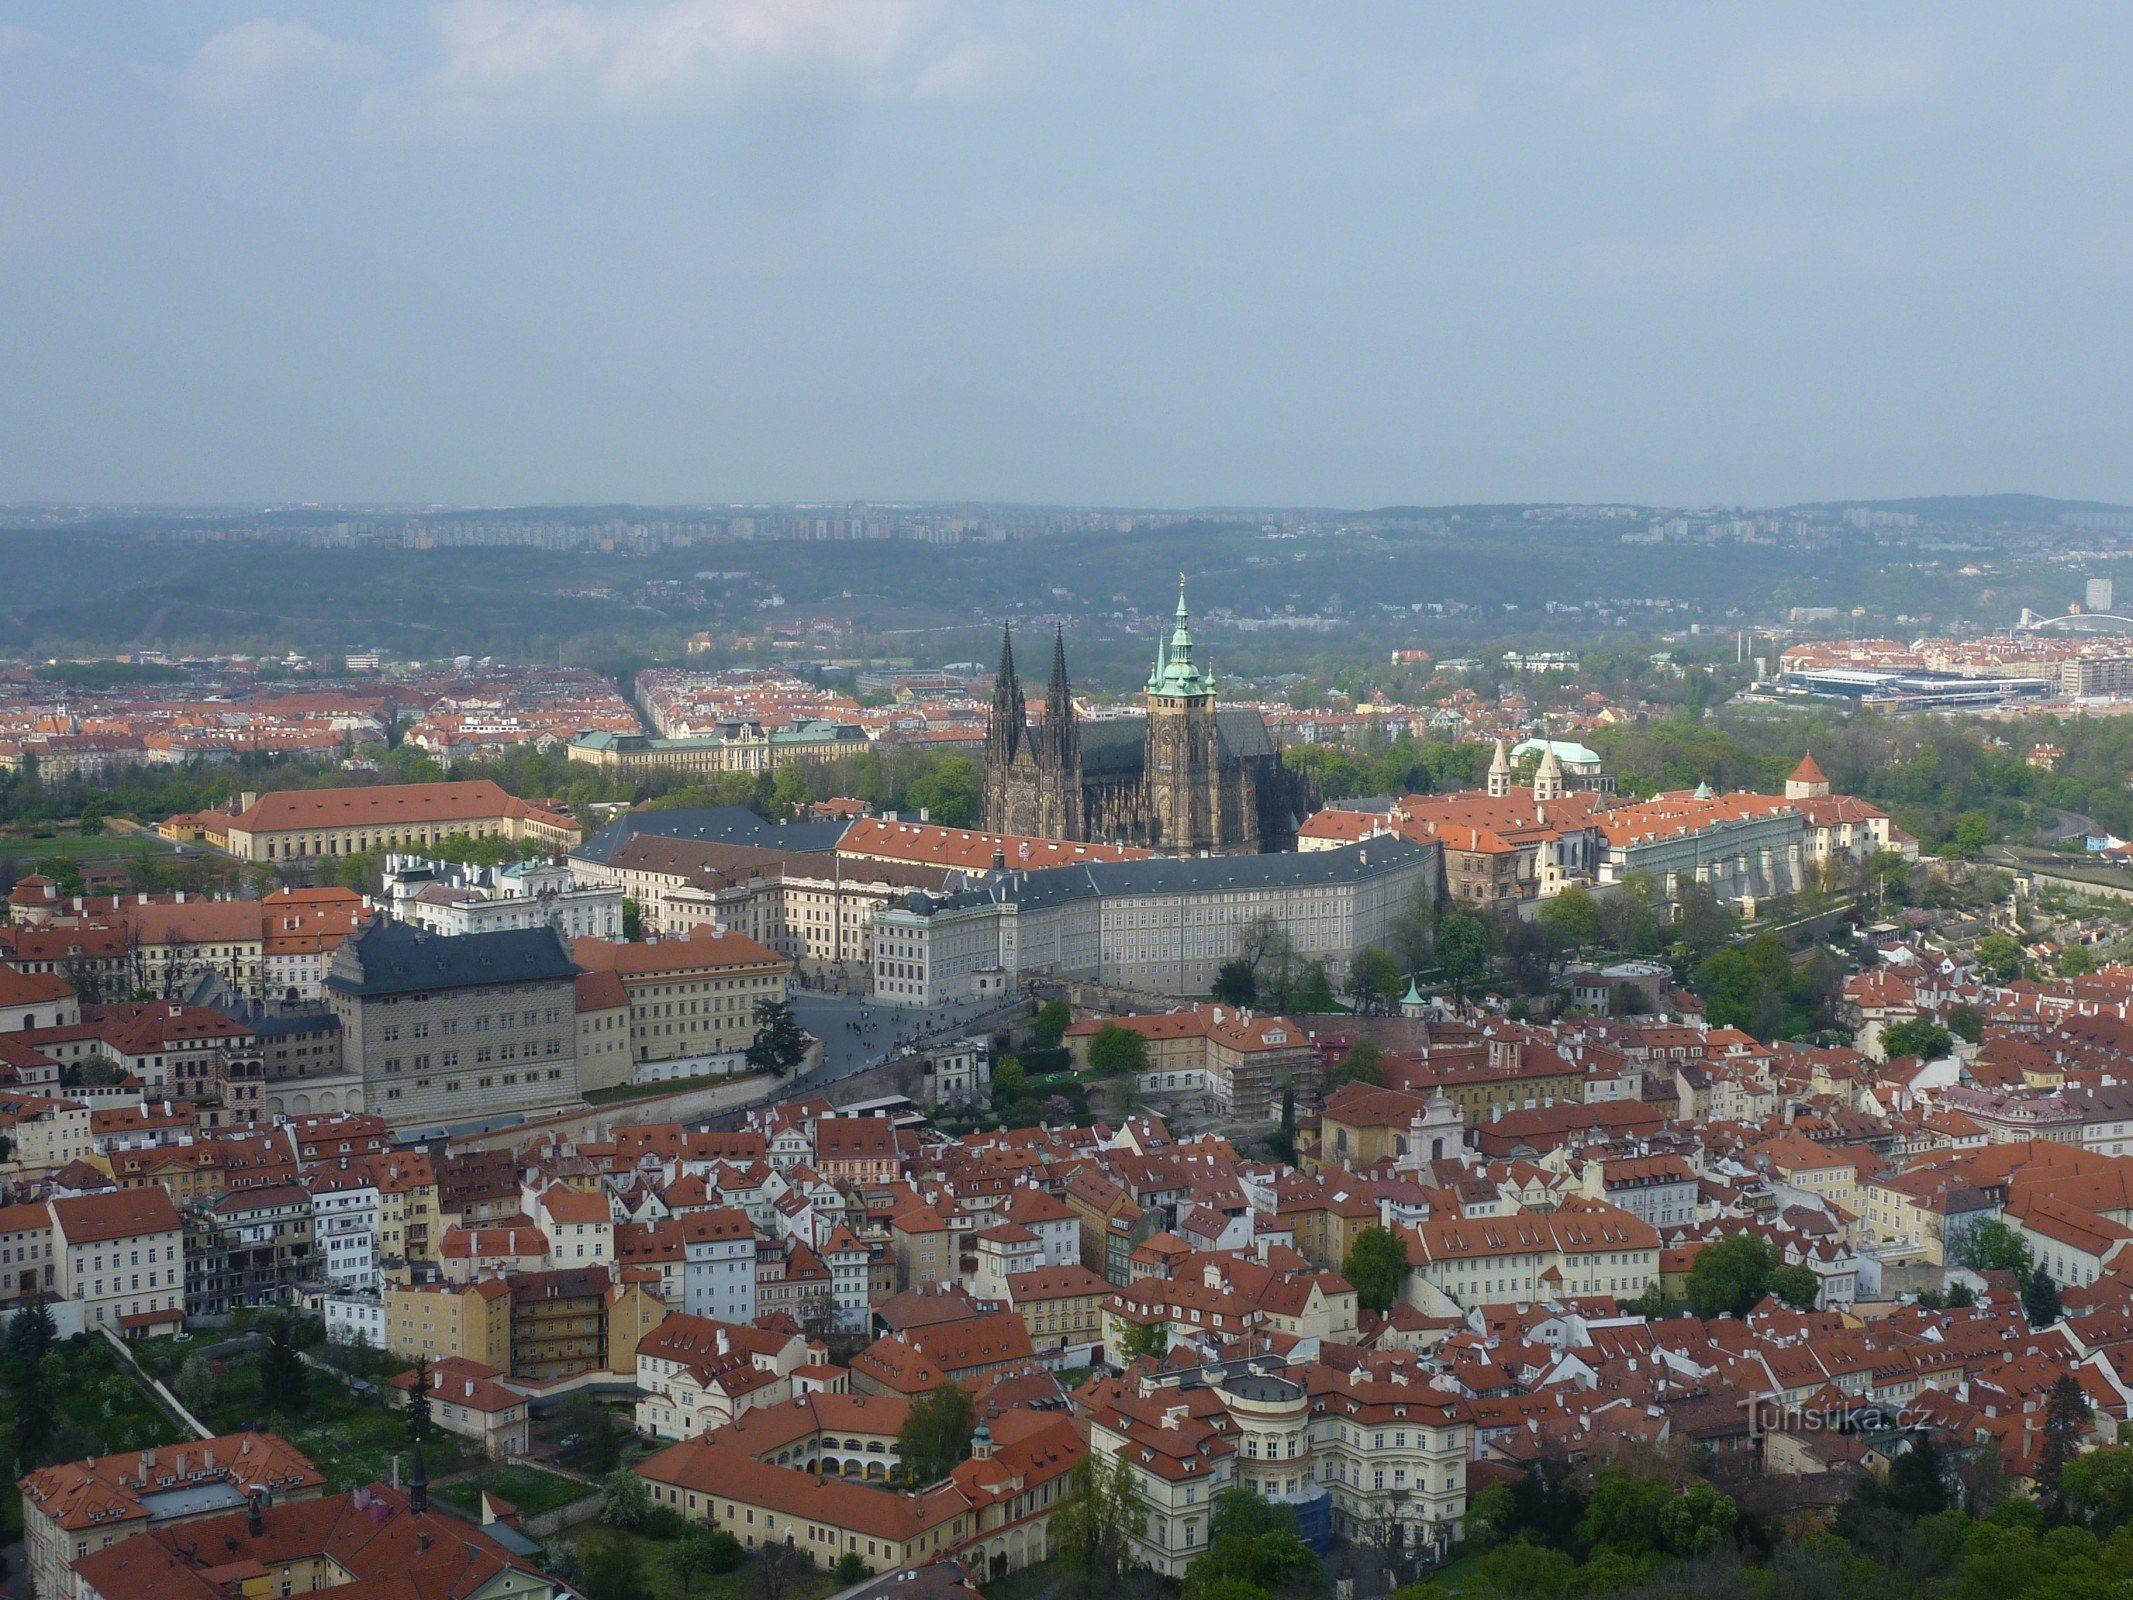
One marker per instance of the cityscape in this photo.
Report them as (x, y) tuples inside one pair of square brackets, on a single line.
[(845, 801)]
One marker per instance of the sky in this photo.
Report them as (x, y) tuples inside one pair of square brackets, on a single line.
[(1144, 254)]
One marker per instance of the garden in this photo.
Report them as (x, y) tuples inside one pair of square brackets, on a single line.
[(531, 1490)]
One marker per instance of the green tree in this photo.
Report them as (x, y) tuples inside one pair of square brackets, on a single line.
[(1236, 984), (1376, 1267), (1117, 1052), (2098, 1487), (284, 1384), (1363, 1063), (788, 790), (947, 791), (91, 822), (614, 1571), (1098, 1523), (1051, 1023), (1254, 1543), (1375, 980), (779, 1045), (632, 920), (195, 1384), (2074, 960), (625, 1503), (936, 1434), (1571, 919), (1915, 1036), (1732, 1277), (2066, 1419), (852, 1567), (1967, 1023), (1462, 949), (1971, 835), (1917, 1484), (1009, 1080), (1797, 1286), (1991, 1246), (2040, 1298), (1999, 957), (1151, 1339), (1284, 1140)]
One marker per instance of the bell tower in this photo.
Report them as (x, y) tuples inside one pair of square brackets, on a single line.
[(1183, 757)]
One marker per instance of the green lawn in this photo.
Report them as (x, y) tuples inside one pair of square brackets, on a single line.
[(101, 847), (663, 1585), (529, 1488)]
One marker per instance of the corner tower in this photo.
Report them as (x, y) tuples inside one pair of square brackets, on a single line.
[(1183, 767)]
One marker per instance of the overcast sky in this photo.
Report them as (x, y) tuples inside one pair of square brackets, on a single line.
[(1351, 254)]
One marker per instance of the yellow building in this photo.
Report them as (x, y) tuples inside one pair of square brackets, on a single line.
[(1362, 1126), (296, 824), (691, 996), (736, 747), (470, 1320)]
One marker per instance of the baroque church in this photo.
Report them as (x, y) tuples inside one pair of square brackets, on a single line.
[(1187, 777)]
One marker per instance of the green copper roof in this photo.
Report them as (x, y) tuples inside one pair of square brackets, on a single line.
[(1175, 672), (1413, 997)]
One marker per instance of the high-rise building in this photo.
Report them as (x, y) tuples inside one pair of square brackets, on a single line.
[(2099, 596)]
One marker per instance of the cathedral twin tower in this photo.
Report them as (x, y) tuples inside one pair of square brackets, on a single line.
[(1186, 777)]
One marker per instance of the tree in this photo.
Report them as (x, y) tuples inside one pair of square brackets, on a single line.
[(1571, 919), (777, 1564), (1051, 1023), (92, 817), (1970, 836), (947, 791), (614, 1571), (624, 1500), (1009, 1080), (632, 920), (1116, 1052), (30, 1334), (779, 1045), (685, 1560), (1374, 980), (1363, 1063), (1150, 1339), (1284, 1140), (2099, 1488), (1098, 1523), (1462, 949), (2040, 1298), (1991, 1246), (1236, 984), (2075, 960), (1730, 984), (936, 1434), (852, 1567), (1255, 1544), (1650, 1305), (1376, 1267), (788, 790), (1999, 957), (1917, 1484), (2066, 1419), (195, 1384), (1915, 1036), (1967, 1023), (284, 1385), (1732, 1277)]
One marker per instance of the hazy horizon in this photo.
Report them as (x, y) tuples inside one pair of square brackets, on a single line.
[(510, 253)]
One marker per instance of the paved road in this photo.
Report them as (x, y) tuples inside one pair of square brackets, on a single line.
[(829, 1016)]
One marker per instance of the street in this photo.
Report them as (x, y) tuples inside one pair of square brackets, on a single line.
[(829, 1018)]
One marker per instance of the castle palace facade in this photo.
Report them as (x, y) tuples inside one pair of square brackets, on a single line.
[(1186, 777)]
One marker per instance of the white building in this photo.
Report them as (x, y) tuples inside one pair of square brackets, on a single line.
[(344, 1226), (718, 1265), (449, 897), (353, 1319), (122, 1255)]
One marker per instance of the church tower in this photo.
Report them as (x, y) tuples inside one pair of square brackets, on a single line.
[(1008, 755), (1500, 774), (1061, 756), (1548, 780), (1184, 760)]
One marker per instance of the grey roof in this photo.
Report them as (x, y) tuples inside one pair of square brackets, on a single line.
[(1116, 745), (396, 958), (715, 824), (1051, 886)]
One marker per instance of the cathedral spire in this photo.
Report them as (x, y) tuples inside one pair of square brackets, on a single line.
[(1010, 714), (1061, 731), (1175, 672)]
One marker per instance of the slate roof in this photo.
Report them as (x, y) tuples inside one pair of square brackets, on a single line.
[(717, 824), (394, 958)]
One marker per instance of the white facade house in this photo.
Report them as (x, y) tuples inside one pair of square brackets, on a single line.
[(450, 897), (344, 1226), (353, 1319), (718, 1265)]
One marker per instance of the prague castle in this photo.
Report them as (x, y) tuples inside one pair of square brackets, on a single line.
[(1186, 777)]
